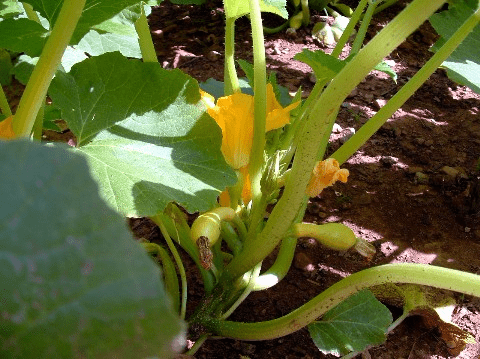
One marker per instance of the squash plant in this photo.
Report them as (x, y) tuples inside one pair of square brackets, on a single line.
[(149, 140)]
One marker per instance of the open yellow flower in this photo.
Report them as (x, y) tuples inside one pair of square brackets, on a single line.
[(325, 174), (224, 198), (6, 129), (234, 115)]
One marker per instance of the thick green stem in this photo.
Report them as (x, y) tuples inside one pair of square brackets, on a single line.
[(145, 38), (230, 73), (280, 267), (251, 283), (36, 90), (178, 261), (169, 272), (362, 31), (38, 125), (4, 106), (421, 274), (349, 29), (285, 211), (369, 128), (260, 104)]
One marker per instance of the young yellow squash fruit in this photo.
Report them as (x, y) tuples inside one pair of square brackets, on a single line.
[(206, 229), (332, 235)]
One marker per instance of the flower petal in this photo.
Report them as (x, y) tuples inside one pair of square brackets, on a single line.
[(325, 174), (6, 129), (277, 116), (234, 115), (207, 99)]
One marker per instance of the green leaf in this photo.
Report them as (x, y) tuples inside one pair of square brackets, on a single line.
[(124, 22), (96, 44), (463, 65), (9, 8), (145, 133), (359, 321), (216, 88), (25, 64), (238, 8), (22, 35), (5, 68), (51, 114), (74, 282), (324, 66), (95, 12), (387, 69)]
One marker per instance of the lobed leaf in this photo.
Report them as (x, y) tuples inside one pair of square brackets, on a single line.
[(74, 282), (238, 8), (22, 35), (359, 321), (145, 134), (95, 12), (463, 65)]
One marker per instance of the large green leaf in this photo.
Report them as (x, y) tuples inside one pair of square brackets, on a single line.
[(9, 8), (463, 65), (96, 44), (95, 12), (357, 322), (22, 35), (124, 22), (324, 66), (238, 8), (74, 282), (146, 134)]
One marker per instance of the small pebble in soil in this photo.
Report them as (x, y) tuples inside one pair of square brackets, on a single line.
[(213, 55), (420, 178), (303, 262), (291, 32), (346, 134)]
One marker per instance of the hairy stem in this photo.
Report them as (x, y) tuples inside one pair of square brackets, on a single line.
[(421, 274), (230, 73), (145, 38), (36, 90)]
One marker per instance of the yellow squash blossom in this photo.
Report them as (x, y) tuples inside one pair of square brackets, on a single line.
[(6, 129), (325, 174), (234, 115)]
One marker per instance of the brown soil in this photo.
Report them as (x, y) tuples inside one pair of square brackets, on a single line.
[(399, 195)]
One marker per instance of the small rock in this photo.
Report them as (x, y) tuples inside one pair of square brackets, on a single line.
[(291, 32), (379, 103), (213, 55), (346, 134), (387, 161), (303, 261), (276, 50), (421, 178), (467, 229), (420, 140), (336, 128), (158, 33), (368, 96), (450, 171), (312, 78), (428, 142)]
